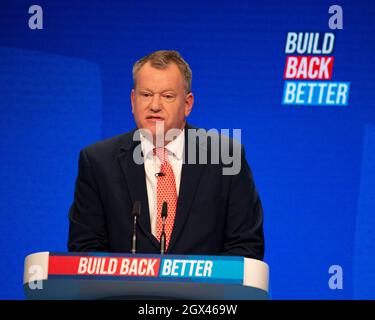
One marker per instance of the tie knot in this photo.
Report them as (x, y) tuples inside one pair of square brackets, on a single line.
[(162, 154)]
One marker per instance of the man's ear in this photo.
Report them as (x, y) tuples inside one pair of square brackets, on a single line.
[(189, 101), (132, 99)]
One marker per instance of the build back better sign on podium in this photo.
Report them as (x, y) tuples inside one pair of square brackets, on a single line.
[(50, 275)]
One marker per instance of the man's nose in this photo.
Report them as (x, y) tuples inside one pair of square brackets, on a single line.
[(156, 104)]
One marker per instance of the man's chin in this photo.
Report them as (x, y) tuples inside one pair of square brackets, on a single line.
[(148, 131), (153, 126), (158, 131)]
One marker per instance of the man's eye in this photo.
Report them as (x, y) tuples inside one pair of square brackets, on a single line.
[(169, 96), (146, 94)]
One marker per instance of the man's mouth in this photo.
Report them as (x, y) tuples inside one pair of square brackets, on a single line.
[(155, 118)]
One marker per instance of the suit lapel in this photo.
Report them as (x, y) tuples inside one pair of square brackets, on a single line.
[(136, 181), (190, 176)]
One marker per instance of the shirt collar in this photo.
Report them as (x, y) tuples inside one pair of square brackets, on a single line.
[(175, 147)]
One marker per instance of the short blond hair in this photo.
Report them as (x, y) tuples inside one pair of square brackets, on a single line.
[(161, 59)]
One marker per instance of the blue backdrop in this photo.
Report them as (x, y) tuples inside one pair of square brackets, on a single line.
[(68, 85)]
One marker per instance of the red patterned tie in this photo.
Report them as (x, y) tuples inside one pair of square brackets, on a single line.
[(166, 191)]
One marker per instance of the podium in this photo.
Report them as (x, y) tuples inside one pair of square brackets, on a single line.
[(51, 276)]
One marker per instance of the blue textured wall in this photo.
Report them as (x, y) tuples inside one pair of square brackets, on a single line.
[(68, 85)]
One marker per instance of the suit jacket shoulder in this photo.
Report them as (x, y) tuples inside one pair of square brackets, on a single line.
[(111, 146)]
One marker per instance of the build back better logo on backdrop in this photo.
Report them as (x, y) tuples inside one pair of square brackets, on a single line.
[(308, 71)]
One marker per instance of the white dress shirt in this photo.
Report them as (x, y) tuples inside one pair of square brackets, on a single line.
[(152, 166)]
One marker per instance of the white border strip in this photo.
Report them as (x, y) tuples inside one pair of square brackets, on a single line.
[(36, 267), (256, 274)]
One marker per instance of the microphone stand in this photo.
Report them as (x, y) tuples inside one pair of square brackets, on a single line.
[(164, 214), (136, 212)]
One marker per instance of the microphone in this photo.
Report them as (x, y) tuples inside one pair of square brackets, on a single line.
[(135, 212), (159, 174), (164, 214)]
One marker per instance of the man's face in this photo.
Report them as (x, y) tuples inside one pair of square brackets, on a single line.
[(159, 96)]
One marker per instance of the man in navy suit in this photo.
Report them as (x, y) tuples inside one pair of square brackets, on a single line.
[(211, 212)]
